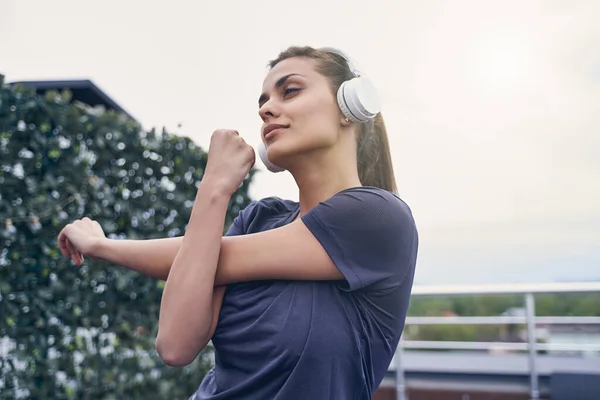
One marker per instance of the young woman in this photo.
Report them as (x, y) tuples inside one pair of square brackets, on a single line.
[(302, 300)]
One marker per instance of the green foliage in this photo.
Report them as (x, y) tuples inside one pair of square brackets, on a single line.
[(87, 332), (568, 304), (576, 304), (463, 305)]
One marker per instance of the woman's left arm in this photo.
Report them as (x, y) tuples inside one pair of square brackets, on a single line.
[(290, 252), (363, 236)]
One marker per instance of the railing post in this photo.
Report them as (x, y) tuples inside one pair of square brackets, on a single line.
[(534, 391), (400, 381)]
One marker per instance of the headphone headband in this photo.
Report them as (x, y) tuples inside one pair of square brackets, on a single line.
[(349, 61)]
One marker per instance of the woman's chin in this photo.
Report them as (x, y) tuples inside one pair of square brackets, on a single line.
[(277, 151)]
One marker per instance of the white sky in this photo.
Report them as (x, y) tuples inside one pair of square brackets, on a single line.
[(493, 107)]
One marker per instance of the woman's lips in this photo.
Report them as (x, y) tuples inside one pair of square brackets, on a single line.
[(274, 132)]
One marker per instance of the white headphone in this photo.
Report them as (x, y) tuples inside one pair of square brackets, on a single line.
[(357, 98)]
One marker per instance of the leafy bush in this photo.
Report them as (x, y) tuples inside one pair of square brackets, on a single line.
[(87, 332)]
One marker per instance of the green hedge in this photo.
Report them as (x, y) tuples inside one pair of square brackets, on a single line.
[(87, 332)]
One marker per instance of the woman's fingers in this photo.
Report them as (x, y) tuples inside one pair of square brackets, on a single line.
[(76, 238), (75, 254), (63, 243)]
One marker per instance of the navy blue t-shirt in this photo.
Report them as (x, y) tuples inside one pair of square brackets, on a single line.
[(319, 340)]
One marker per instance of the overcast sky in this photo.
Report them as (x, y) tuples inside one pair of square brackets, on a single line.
[(492, 107)]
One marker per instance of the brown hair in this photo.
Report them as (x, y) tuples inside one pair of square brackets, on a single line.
[(373, 149)]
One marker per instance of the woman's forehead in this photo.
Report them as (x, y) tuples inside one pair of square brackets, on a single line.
[(294, 65)]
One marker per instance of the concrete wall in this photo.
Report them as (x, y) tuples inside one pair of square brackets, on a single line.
[(389, 393)]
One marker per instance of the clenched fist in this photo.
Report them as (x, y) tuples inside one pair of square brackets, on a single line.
[(230, 159)]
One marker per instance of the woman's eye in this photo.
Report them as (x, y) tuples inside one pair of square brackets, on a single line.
[(290, 91)]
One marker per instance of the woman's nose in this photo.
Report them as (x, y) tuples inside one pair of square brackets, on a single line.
[(268, 110)]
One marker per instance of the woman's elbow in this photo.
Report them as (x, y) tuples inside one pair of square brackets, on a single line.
[(174, 355)]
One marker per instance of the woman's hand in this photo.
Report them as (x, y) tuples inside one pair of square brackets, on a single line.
[(81, 238), (230, 159)]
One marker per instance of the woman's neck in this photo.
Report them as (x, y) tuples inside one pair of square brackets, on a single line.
[(326, 172), (319, 185)]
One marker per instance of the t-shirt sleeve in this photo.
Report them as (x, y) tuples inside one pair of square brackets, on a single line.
[(238, 226), (370, 235)]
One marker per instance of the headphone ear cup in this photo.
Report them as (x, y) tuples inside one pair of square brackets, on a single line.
[(358, 100), (262, 153), (342, 103)]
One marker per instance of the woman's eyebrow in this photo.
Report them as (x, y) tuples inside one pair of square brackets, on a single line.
[(280, 82)]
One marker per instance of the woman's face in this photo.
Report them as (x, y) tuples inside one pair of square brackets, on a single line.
[(299, 111)]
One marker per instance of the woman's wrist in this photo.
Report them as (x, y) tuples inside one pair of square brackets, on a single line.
[(102, 248)]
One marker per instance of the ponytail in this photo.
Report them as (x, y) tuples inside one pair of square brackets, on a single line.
[(373, 156)]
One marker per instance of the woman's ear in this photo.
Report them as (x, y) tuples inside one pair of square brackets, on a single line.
[(346, 121)]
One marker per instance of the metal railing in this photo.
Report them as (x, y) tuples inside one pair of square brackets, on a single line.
[(529, 319)]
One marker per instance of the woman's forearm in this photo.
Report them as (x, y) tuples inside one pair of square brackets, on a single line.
[(152, 257), (186, 310)]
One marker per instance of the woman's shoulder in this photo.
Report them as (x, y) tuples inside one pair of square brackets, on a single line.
[(270, 205), (371, 198), (266, 213)]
